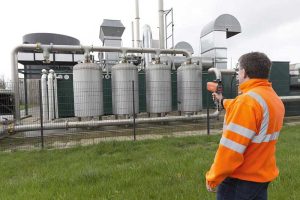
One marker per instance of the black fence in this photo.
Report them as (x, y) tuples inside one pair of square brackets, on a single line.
[(67, 114), (82, 113)]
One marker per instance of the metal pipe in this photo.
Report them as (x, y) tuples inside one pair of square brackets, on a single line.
[(161, 24), (147, 40), (44, 102), (80, 124), (41, 112), (227, 71), (85, 124), (216, 71), (51, 96), (55, 95), (290, 98), (74, 49), (137, 24), (132, 33), (25, 90), (15, 83)]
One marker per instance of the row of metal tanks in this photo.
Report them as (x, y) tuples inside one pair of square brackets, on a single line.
[(157, 89)]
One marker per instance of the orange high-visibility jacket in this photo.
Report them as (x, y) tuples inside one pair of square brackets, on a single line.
[(251, 128)]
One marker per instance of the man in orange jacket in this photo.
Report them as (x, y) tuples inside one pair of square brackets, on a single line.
[(245, 161)]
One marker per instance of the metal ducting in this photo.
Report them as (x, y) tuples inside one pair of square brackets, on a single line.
[(184, 45), (111, 32), (111, 29), (213, 38)]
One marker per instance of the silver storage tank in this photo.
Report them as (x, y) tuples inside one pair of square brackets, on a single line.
[(88, 90), (158, 88), (189, 88), (122, 75)]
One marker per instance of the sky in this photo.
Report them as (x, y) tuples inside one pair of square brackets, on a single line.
[(269, 26)]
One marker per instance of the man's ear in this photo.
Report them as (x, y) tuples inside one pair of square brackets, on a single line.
[(245, 74)]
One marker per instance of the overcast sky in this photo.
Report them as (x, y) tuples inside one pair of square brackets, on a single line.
[(270, 26)]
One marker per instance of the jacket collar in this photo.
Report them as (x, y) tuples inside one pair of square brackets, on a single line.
[(252, 83)]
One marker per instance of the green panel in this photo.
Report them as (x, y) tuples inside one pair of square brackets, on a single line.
[(65, 96), (206, 78), (142, 92), (229, 84), (292, 108), (174, 90), (280, 78), (107, 96)]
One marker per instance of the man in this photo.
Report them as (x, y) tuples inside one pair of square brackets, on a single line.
[(245, 160)]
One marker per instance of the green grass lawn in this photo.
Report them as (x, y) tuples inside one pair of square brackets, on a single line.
[(170, 168)]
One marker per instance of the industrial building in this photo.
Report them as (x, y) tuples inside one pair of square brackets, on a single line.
[(75, 86)]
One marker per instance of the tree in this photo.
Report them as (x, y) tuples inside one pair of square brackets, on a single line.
[(2, 82)]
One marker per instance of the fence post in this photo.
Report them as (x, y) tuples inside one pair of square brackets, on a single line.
[(207, 111), (41, 114), (25, 90), (133, 110)]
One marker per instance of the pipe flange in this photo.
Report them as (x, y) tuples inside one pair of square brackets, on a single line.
[(10, 128), (67, 125)]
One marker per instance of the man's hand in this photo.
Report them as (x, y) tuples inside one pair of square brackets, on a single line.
[(211, 189), (217, 96)]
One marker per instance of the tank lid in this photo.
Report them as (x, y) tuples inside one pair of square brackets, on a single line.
[(81, 66), (158, 66), (47, 38), (124, 66)]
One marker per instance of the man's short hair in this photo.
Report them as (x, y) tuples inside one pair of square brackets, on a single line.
[(256, 65)]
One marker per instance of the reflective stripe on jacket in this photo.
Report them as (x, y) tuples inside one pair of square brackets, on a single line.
[(251, 129)]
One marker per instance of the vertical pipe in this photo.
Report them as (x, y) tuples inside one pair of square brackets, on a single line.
[(133, 110), (147, 43), (55, 95), (137, 23), (44, 95), (15, 80), (50, 94), (161, 24), (132, 33), (172, 30), (25, 90), (41, 113)]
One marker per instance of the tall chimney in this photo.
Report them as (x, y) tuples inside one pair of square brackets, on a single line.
[(132, 33), (161, 24), (137, 24)]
